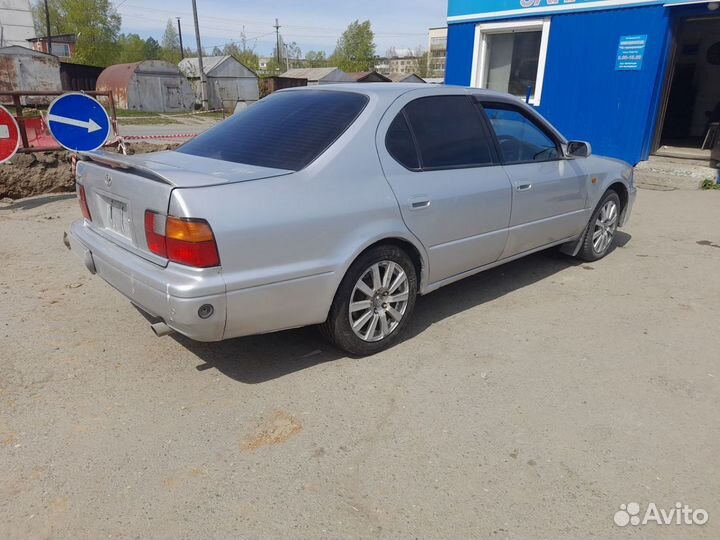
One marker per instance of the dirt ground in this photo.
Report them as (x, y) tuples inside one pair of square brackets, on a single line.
[(27, 175), (529, 401)]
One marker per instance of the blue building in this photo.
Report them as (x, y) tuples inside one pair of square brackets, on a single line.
[(629, 76)]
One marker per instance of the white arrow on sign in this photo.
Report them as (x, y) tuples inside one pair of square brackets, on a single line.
[(90, 125)]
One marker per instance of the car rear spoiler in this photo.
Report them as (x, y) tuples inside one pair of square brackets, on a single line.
[(124, 163)]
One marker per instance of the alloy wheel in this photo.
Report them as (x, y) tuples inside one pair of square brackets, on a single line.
[(605, 227), (378, 301)]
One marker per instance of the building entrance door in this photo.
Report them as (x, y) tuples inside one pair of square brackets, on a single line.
[(692, 114)]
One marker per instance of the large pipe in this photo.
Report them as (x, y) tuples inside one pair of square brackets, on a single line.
[(161, 329)]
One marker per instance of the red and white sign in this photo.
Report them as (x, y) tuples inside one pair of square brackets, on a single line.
[(9, 135)]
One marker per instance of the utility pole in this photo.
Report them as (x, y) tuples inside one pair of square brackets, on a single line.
[(47, 26), (277, 42), (203, 78), (182, 50)]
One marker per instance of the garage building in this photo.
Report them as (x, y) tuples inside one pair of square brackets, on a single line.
[(315, 76), (150, 85), (229, 81), (30, 71)]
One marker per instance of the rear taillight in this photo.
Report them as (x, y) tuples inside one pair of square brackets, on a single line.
[(182, 240), (155, 233), (83, 202)]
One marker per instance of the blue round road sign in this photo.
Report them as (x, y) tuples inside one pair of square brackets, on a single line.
[(78, 122)]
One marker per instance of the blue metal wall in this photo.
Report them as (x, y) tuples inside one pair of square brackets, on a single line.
[(583, 95), (461, 41)]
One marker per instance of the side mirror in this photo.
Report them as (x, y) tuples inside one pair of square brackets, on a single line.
[(578, 149)]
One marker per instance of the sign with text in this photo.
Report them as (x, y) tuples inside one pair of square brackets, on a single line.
[(631, 51), (466, 10)]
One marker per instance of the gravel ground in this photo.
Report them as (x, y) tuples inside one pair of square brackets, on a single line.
[(529, 401)]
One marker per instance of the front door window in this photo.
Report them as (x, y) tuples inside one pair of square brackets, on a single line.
[(521, 140)]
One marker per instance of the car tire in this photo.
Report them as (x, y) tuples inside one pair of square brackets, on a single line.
[(381, 286), (600, 233)]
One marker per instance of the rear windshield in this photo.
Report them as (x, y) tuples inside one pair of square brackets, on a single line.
[(287, 130)]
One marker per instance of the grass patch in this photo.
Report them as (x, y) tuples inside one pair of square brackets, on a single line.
[(144, 118), (710, 184), (124, 113), (210, 115)]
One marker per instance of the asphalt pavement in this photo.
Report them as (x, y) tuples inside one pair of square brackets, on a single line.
[(532, 400)]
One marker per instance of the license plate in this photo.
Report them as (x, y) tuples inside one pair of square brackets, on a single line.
[(117, 218)]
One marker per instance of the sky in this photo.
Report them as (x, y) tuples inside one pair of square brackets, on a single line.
[(313, 24)]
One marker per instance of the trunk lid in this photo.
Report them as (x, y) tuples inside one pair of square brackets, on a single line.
[(119, 189)]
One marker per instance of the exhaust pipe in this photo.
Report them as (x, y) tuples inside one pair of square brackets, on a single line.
[(161, 329)]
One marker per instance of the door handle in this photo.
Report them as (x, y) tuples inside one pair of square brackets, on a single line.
[(418, 203), (523, 187)]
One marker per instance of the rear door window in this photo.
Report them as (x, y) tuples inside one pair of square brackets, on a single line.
[(287, 130), (450, 132), (400, 144)]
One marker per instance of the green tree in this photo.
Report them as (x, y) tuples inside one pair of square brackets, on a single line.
[(293, 54), (39, 21), (423, 57), (316, 59), (290, 57), (273, 68), (131, 48), (355, 50), (170, 44), (244, 55), (95, 23), (152, 49)]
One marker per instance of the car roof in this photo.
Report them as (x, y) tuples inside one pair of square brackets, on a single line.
[(386, 93), (393, 90)]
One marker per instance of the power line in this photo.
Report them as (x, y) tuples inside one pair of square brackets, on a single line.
[(328, 32), (176, 12), (225, 34)]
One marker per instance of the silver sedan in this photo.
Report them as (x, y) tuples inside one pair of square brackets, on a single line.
[(337, 205)]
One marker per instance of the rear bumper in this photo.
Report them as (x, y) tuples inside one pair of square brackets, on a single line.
[(173, 294)]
